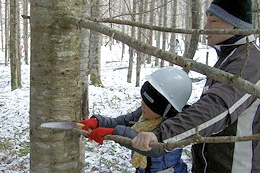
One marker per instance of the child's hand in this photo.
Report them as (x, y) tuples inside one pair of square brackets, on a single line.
[(91, 123), (98, 133)]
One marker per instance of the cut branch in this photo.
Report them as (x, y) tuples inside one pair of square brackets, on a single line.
[(211, 72)]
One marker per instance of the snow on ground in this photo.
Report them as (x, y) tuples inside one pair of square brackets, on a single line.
[(116, 98)]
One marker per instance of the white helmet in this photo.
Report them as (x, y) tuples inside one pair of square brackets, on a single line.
[(174, 84)]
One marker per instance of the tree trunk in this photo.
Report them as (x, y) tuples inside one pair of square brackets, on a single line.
[(187, 25), (131, 50), (150, 33), (122, 10), (139, 56), (164, 35), (158, 35), (195, 11), (85, 36), (1, 23), (14, 42), (173, 20), (95, 48), (25, 32), (55, 93), (7, 36)]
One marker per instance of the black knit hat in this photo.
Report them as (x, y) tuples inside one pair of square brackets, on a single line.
[(235, 12), (156, 101)]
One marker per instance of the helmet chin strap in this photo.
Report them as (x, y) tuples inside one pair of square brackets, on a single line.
[(168, 107)]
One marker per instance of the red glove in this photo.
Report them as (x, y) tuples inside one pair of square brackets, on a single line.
[(98, 133), (89, 123)]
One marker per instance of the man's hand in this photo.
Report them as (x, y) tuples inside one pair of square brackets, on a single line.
[(143, 139), (98, 133), (91, 123)]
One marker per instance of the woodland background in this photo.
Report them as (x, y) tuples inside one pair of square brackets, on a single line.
[(64, 57)]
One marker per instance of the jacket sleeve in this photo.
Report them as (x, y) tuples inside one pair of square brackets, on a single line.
[(217, 108), (130, 133), (122, 125), (125, 120), (199, 114)]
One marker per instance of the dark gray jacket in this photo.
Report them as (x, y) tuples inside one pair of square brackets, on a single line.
[(122, 126), (222, 110)]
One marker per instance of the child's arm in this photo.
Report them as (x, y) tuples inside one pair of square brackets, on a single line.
[(120, 120)]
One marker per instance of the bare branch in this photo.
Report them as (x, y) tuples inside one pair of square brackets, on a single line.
[(247, 56), (194, 140), (175, 30), (211, 72)]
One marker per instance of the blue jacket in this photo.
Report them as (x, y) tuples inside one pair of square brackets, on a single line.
[(157, 159)]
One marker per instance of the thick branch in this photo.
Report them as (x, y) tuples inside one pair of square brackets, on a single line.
[(175, 30), (194, 140), (189, 141), (197, 139), (211, 72)]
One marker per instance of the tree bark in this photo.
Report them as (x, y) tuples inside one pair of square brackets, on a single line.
[(150, 33), (25, 32), (173, 20), (95, 48), (139, 55), (195, 24), (15, 62), (131, 50), (164, 34), (84, 64), (7, 36), (55, 93), (1, 23)]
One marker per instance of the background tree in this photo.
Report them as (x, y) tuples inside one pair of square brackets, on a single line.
[(14, 46), (25, 32), (131, 50), (151, 22), (55, 93), (95, 47), (7, 30), (139, 55), (174, 7), (158, 33), (1, 23), (164, 34), (84, 64), (195, 24)]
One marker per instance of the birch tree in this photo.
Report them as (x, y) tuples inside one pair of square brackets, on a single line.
[(151, 22), (1, 23), (7, 29), (158, 34), (173, 20), (164, 34), (26, 32), (139, 55), (95, 47), (195, 24), (15, 63), (131, 50), (55, 93), (85, 36)]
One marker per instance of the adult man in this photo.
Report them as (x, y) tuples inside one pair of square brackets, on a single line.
[(222, 110)]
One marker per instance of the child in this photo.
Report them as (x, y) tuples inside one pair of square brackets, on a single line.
[(164, 94)]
